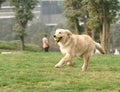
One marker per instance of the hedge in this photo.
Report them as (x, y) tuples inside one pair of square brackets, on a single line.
[(11, 45)]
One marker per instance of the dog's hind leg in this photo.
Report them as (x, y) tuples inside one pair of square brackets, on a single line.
[(85, 65)]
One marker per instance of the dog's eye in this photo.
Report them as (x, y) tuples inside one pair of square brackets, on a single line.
[(59, 32)]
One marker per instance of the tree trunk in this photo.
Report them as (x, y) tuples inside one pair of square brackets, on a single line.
[(105, 36), (22, 42), (76, 25), (102, 36), (85, 26), (93, 34)]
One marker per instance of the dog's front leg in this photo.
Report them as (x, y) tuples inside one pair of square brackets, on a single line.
[(66, 58)]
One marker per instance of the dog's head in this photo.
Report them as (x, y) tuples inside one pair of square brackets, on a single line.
[(62, 35)]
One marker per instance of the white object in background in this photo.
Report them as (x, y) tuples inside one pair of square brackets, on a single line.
[(116, 52), (97, 51)]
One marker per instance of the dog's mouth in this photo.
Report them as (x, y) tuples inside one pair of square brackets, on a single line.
[(57, 39)]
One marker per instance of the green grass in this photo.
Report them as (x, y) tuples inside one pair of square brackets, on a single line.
[(35, 72)]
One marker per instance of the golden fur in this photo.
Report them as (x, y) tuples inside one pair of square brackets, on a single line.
[(75, 45)]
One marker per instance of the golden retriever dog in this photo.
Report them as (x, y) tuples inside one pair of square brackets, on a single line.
[(75, 45)]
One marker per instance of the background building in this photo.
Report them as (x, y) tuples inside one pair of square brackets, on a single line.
[(51, 12), (47, 11)]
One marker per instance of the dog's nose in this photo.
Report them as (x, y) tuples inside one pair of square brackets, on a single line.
[(54, 36)]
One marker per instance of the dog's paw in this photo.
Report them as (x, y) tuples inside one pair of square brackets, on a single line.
[(70, 63), (84, 69), (57, 66)]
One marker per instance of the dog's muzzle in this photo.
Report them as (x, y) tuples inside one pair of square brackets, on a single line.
[(57, 39)]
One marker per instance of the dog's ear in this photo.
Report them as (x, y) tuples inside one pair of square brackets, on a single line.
[(68, 32)]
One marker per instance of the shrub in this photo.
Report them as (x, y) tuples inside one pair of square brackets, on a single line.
[(32, 47), (7, 45)]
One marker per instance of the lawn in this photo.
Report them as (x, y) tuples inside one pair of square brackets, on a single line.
[(35, 72)]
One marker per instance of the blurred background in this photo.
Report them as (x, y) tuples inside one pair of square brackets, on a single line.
[(47, 17)]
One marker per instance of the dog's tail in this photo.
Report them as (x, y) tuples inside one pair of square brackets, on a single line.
[(99, 47)]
